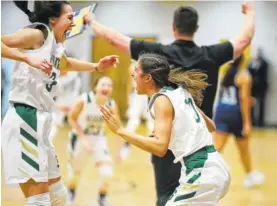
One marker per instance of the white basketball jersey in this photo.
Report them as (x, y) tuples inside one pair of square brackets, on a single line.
[(189, 131), (91, 119), (31, 86)]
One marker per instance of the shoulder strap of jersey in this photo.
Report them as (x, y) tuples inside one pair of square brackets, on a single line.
[(34, 25), (163, 91)]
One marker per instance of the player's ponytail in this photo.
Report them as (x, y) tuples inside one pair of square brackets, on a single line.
[(194, 81), (23, 6), (230, 74), (164, 75), (43, 10)]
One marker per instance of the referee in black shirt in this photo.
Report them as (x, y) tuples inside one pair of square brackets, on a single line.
[(183, 52)]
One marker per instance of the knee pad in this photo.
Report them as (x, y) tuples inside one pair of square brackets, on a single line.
[(41, 199), (58, 194), (105, 170)]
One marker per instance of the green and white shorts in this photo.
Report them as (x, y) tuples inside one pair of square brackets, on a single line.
[(204, 180), (27, 151), (100, 150)]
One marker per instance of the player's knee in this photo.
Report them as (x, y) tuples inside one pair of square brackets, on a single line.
[(58, 194), (105, 170), (40, 199)]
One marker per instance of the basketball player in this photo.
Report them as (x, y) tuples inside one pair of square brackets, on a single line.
[(233, 116), (137, 108), (179, 126), (29, 158), (88, 131)]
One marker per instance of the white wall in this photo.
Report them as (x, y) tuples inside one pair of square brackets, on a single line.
[(218, 20)]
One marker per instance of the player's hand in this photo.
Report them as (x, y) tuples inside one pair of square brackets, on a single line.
[(248, 7), (86, 144), (89, 17), (111, 119), (39, 63), (247, 128), (107, 62)]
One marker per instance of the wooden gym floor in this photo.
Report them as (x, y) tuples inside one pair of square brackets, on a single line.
[(133, 182)]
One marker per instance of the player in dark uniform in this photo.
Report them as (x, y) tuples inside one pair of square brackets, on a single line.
[(233, 116)]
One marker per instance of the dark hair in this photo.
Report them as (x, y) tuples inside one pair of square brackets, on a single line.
[(165, 75), (43, 10), (97, 81), (185, 20), (230, 74)]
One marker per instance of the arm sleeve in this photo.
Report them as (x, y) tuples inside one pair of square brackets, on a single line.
[(138, 46), (221, 53)]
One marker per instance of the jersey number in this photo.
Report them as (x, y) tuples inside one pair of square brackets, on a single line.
[(189, 102), (229, 96), (93, 129), (50, 85)]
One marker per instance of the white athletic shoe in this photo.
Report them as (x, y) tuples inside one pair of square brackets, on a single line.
[(253, 179), (125, 151)]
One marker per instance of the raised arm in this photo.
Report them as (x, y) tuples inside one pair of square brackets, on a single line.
[(158, 143), (71, 64), (25, 39), (241, 41), (122, 42), (115, 38)]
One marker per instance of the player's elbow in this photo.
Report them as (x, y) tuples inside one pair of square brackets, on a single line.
[(240, 45), (161, 151), (212, 127)]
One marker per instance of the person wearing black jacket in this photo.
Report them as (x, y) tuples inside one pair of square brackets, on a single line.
[(258, 69)]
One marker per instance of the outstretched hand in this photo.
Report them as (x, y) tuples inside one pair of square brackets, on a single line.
[(89, 17), (111, 119), (107, 62)]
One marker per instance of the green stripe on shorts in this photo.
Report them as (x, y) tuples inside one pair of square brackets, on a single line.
[(27, 113), (198, 158), (28, 136), (183, 197), (194, 178), (29, 161)]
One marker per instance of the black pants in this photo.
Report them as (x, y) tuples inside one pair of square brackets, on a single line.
[(260, 108), (167, 176)]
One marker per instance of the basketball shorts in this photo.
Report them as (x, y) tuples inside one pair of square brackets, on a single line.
[(204, 180), (229, 122), (100, 151), (27, 151)]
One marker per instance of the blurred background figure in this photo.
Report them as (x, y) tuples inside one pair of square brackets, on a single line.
[(68, 91), (136, 110), (233, 117), (6, 78), (258, 69), (88, 138)]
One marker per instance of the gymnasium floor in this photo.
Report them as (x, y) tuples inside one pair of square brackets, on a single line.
[(138, 170)]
